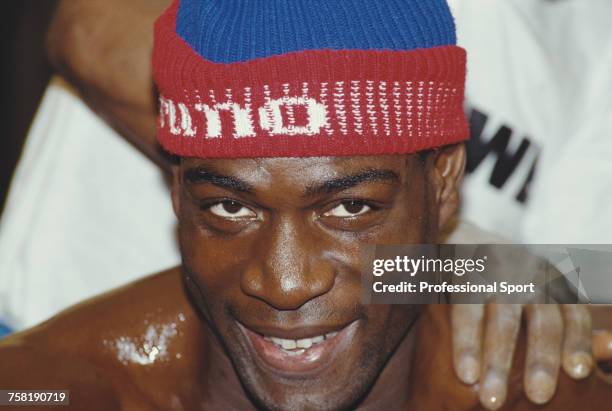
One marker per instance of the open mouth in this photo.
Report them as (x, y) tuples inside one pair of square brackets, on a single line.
[(299, 356)]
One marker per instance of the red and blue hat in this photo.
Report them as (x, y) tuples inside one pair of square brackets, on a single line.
[(302, 78)]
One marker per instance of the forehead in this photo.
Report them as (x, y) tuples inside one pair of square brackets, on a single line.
[(302, 172)]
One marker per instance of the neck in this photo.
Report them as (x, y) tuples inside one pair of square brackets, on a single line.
[(392, 388)]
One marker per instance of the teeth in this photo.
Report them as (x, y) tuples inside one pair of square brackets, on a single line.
[(305, 343), (289, 344), (300, 345)]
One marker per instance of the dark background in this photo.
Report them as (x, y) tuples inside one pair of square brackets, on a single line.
[(24, 74)]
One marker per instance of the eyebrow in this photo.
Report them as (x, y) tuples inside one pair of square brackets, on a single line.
[(203, 175), (344, 183)]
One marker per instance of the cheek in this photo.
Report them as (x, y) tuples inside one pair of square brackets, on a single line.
[(215, 261), (394, 320)]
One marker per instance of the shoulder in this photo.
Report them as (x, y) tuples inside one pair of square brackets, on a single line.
[(121, 311), (26, 365), (103, 347)]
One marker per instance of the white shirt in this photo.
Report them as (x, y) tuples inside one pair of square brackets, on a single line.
[(86, 212), (539, 71)]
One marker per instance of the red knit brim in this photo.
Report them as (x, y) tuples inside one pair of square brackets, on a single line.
[(309, 103)]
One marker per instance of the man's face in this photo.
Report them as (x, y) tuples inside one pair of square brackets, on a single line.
[(273, 247)]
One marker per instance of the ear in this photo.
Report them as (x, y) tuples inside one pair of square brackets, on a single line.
[(448, 169), (176, 189)]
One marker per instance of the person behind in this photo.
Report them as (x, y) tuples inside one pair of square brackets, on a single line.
[(538, 168), (269, 242)]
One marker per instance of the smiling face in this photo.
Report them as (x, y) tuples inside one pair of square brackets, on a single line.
[(272, 250)]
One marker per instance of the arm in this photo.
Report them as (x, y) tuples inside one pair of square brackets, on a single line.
[(104, 48)]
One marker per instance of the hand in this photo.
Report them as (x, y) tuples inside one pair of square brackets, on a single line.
[(602, 350), (556, 335)]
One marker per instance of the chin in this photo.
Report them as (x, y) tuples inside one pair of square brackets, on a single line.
[(340, 384), (312, 395)]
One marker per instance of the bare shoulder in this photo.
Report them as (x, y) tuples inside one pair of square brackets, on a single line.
[(27, 366), (82, 327), (114, 348)]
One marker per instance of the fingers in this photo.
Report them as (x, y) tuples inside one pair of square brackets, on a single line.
[(503, 324), (577, 359), (602, 346), (544, 344), (466, 322)]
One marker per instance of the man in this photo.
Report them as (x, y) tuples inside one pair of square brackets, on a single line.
[(269, 243)]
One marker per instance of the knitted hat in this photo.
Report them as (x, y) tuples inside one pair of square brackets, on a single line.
[(296, 78)]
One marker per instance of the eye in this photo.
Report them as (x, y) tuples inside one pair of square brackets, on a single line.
[(231, 209), (348, 209)]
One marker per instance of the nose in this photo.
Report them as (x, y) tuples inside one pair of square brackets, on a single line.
[(291, 269)]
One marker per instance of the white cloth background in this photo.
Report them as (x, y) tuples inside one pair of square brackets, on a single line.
[(86, 212), (544, 69)]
